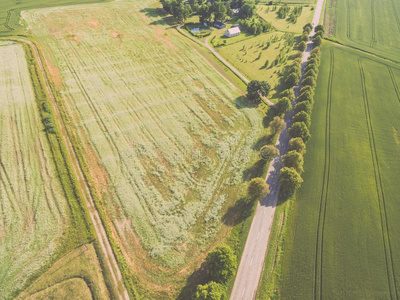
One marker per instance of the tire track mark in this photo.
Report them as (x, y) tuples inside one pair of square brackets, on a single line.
[(391, 276), (396, 16), (373, 29), (396, 87), (319, 246)]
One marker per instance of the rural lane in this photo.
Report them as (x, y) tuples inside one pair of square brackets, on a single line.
[(252, 261), (220, 58), (104, 243)]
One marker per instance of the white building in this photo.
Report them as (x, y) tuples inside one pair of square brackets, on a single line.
[(233, 31)]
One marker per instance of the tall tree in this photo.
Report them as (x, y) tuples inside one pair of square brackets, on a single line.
[(293, 159), (210, 291), (257, 189), (297, 144), (257, 89), (290, 180), (299, 129), (221, 263), (268, 152)]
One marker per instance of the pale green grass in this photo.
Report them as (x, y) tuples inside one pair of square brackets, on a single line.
[(265, 11), (172, 134), (33, 207)]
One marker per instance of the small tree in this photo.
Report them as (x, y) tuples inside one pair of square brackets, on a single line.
[(293, 159), (257, 189), (283, 106), (277, 125), (302, 46), (300, 129), (268, 152), (256, 89), (303, 106), (290, 180), (297, 144), (317, 41), (210, 291), (302, 116), (221, 263)]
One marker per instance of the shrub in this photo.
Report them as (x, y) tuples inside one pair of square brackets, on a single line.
[(46, 107), (290, 180), (302, 116), (268, 152), (283, 106), (221, 263), (297, 144), (303, 106), (300, 129), (293, 159), (210, 291), (257, 189)]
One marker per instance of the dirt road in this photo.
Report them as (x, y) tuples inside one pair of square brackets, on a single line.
[(251, 264), (104, 243)]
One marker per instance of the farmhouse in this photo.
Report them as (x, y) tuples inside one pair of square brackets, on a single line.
[(219, 25), (233, 31)]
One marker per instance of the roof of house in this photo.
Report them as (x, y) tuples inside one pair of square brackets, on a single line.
[(219, 23), (233, 30)]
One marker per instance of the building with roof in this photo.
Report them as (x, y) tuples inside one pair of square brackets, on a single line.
[(219, 25), (233, 31)]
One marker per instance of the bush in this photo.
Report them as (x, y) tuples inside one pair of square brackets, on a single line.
[(46, 107), (302, 46), (210, 291), (300, 129), (290, 180), (309, 81), (297, 144), (303, 106), (221, 264), (268, 152), (302, 116), (257, 189), (283, 106), (293, 159)]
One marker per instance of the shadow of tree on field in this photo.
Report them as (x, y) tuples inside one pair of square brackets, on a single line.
[(164, 19), (198, 276), (243, 102), (238, 212), (256, 170)]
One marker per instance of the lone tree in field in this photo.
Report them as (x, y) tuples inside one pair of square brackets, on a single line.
[(221, 264), (290, 180), (257, 189), (257, 89), (277, 125), (282, 106), (210, 291), (293, 159), (297, 144), (299, 129), (268, 152)]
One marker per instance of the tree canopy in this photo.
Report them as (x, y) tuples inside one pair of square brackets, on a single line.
[(293, 159), (297, 144), (221, 263), (290, 180), (210, 291), (257, 189), (256, 89), (268, 152), (303, 106), (299, 129), (302, 116), (277, 124), (283, 106)]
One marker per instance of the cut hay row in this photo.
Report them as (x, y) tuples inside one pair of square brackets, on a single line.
[(172, 135), (32, 204)]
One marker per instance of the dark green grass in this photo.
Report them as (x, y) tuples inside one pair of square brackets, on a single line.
[(342, 234), (371, 25), (10, 12)]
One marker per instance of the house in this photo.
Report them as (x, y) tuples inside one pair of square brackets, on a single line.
[(233, 31), (219, 25)]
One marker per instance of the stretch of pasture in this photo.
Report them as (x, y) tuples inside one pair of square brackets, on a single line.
[(33, 208), (172, 135), (342, 237)]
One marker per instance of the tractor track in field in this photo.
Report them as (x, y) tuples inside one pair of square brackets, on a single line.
[(396, 87), (395, 14), (391, 276), (319, 245), (348, 20), (373, 38)]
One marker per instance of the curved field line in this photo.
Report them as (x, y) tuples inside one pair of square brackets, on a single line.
[(324, 191), (391, 276), (396, 87), (6, 23)]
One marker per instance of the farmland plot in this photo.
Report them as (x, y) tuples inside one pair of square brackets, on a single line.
[(171, 134), (32, 204), (343, 236)]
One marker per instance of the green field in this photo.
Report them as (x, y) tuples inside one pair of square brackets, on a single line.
[(371, 25), (342, 241), (167, 138)]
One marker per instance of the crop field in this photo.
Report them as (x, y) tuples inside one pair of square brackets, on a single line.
[(33, 207), (171, 135), (372, 25), (10, 22), (261, 57), (266, 12), (342, 241)]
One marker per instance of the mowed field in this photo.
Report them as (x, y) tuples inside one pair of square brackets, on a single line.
[(372, 25), (33, 208), (342, 240), (166, 137)]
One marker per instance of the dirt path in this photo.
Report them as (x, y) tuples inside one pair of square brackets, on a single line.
[(104, 243), (220, 58), (252, 262)]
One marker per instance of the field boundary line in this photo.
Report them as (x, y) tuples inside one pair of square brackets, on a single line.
[(373, 29), (379, 189), (319, 245), (396, 87)]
